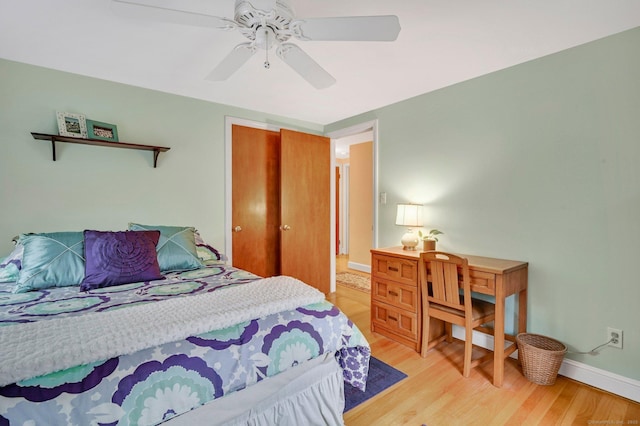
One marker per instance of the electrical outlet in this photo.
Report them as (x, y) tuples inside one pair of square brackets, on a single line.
[(615, 337)]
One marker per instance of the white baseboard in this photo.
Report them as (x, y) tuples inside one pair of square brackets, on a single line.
[(592, 376), (601, 379), (359, 267)]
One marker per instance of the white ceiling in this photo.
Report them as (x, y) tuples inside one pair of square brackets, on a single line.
[(441, 43)]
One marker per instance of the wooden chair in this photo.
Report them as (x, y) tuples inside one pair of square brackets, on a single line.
[(440, 275)]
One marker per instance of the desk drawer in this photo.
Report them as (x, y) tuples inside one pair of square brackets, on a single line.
[(483, 282), (395, 320), (400, 295), (395, 269)]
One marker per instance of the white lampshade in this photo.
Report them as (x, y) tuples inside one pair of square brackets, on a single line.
[(409, 215)]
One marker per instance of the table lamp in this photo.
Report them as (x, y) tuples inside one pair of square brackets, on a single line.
[(409, 215)]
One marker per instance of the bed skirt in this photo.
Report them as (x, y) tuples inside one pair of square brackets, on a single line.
[(311, 394)]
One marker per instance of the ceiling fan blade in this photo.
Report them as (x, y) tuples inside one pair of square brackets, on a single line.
[(232, 62), (348, 28), (304, 65), (153, 10)]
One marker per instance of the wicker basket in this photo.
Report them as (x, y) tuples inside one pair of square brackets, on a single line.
[(540, 357)]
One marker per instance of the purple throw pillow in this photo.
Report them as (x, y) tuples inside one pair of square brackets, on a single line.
[(114, 258)]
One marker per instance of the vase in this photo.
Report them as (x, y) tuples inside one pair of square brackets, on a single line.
[(428, 245)]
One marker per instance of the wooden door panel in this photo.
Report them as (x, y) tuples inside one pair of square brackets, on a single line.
[(255, 195), (305, 203)]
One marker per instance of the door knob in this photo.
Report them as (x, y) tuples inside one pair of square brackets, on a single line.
[(237, 229), (285, 227)]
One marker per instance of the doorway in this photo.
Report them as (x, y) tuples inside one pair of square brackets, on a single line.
[(337, 134), (356, 237)]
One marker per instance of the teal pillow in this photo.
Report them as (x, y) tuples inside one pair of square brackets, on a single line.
[(10, 265), (8, 271), (176, 248), (53, 259), (207, 253)]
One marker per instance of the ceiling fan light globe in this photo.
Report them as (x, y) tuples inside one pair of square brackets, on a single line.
[(265, 38)]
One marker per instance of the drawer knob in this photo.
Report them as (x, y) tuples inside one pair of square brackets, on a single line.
[(392, 318), (393, 268), (392, 293)]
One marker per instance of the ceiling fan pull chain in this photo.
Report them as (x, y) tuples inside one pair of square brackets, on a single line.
[(267, 65)]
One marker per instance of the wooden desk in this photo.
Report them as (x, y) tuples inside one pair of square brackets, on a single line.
[(396, 310)]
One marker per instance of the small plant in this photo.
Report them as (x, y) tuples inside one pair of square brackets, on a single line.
[(430, 236)]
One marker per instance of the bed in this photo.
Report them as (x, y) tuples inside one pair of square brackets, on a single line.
[(211, 344)]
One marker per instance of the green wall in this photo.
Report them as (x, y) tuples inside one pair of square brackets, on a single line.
[(106, 188), (539, 162)]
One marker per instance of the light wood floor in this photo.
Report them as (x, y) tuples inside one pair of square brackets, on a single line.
[(435, 393)]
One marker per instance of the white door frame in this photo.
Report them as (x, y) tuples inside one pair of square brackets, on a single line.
[(345, 170)]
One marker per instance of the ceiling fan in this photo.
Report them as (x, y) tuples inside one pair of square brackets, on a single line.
[(268, 24)]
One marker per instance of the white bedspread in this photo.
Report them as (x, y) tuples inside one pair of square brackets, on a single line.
[(33, 349)]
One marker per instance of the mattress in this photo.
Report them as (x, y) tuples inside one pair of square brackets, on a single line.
[(160, 381)]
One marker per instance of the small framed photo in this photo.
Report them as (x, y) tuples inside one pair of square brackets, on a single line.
[(72, 125), (102, 131)]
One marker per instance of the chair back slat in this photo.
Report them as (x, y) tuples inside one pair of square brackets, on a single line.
[(451, 283), (437, 281)]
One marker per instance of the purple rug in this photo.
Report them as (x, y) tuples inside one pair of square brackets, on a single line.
[(381, 376)]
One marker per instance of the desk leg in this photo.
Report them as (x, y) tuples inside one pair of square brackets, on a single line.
[(498, 350), (522, 311)]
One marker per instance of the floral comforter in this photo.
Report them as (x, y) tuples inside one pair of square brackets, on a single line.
[(157, 383)]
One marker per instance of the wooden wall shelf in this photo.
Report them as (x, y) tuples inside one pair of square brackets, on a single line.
[(96, 142)]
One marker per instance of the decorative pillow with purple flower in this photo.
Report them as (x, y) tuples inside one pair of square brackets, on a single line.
[(114, 258)]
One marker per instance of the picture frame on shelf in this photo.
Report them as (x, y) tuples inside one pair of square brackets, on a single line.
[(102, 131), (72, 125)]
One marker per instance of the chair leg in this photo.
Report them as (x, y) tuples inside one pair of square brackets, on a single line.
[(468, 350), (425, 335), (448, 327)]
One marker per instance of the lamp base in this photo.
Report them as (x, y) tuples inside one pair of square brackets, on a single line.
[(409, 241)]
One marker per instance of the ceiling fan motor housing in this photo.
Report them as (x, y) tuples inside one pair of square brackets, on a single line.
[(261, 13)]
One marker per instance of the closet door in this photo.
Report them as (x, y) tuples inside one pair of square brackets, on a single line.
[(255, 210), (305, 208)]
